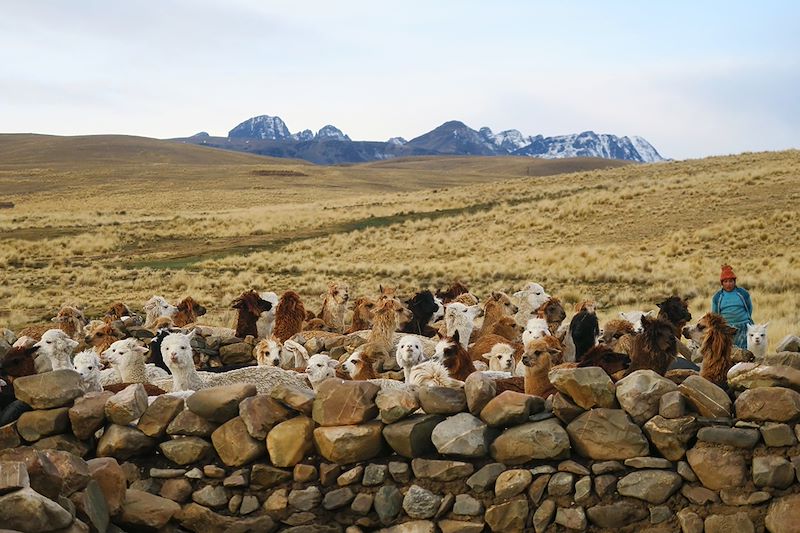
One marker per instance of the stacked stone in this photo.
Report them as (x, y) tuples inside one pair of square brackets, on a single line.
[(646, 451)]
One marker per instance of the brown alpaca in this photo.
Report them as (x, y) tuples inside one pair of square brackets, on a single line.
[(317, 324), (553, 312), (450, 294), (497, 306), (467, 299), (188, 311), (655, 348), (102, 337), (539, 358), (250, 306), (716, 348), (614, 364), (675, 311), (116, 312), (484, 345), (360, 366), (617, 335), (289, 316), (18, 362), (455, 359), (69, 319), (334, 305), (508, 328), (363, 312), (384, 325)]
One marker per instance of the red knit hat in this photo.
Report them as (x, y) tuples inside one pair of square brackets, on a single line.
[(727, 273)]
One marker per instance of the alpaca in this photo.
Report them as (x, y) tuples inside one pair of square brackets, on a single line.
[(381, 340), (18, 362), (584, 330), (530, 298), (87, 364), (320, 367), (127, 360), (452, 354), (539, 358), (425, 308), (289, 316), (534, 329), (177, 352), (363, 313), (317, 324), (553, 313), (459, 318), (250, 306), (716, 348), (618, 335), (502, 357), (635, 319), (156, 307), (266, 322), (507, 328), (497, 306), (334, 305), (71, 321), (409, 353), (188, 311), (675, 311), (360, 366), (655, 348), (432, 374), (117, 311), (484, 345), (102, 337), (451, 293), (289, 355), (467, 299), (57, 347), (757, 339)]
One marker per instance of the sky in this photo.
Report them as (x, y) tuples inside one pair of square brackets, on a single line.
[(693, 78)]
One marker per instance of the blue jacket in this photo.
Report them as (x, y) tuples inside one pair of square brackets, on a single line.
[(742, 293)]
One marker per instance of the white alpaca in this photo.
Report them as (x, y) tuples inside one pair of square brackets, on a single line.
[(534, 329), (530, 298), (266, 321), (177, 353), (156, 307), (409, 353), (320, 367), (289, 355), (127, 360), (459, 317), (432, 374), (87, 364), (57, 346), (757, 339), (635, 318), (501, 358)]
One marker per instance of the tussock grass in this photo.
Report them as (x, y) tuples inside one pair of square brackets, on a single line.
[(626, 236)]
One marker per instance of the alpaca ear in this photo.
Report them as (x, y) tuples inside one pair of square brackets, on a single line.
[(623, 316), (650, 312), (192, 334), (487, 356), (333, 363), (141, 349), (456, 336), (71, 344), (765, 324)]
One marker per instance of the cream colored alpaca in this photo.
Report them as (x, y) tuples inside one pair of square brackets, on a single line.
[(334, 305)]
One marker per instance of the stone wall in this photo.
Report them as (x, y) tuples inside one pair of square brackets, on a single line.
[(644, 454)]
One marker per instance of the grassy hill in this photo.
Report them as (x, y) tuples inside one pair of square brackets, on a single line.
[(624, 236)]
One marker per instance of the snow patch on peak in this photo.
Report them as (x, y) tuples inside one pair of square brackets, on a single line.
[(305, 135), (646, 150), (397, 140), (329, 132), (261, 127)]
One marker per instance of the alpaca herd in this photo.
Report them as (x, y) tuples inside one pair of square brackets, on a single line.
[(428, 339)]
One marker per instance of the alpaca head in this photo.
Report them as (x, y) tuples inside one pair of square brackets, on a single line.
[(452, 292), (409, 351), (502, 300), (501, 357), (358, 363), (542, 353), (320, 367), (338, 292), (268, 352), (87, 364), (588, 306), (456, 314), (552, 311), (102, 336), (69, 314), (55, 342), (251, 303), (659, 334), (675, 309), (122, 352), (507, 327), (613, 330), (534, 294), (117, 311), (191, 308), (158, 306), (635, 318), (756, 335), (535, 329), (425, 306), (176, 349), (604, 357), (18, 362), (449, 350), (317, 324)]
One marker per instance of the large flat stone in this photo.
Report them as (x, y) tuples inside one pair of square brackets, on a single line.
[(534, 440), (607, 434)]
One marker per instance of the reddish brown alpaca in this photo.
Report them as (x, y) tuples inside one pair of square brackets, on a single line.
[(553, 312), (250, 306), (363, 312), (507, 327), (116, 312), (289, 316), (485, 344), (452, 292), (18, 362), (102, 337), (456, 359), (655, 348), (188, 311), (498, 305), (716, 348)]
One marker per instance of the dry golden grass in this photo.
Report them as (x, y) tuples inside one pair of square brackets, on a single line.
[(190, 220)]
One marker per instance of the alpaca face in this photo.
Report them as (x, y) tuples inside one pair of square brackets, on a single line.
[(676, 309), (340, 293), (55, 341), (158, 306), (505, 303), (120, 352), (409, 351), (320, 367), (442, 348), (353, 364), (534, 294), (757, 334), (86, 364), (268, 353), (176, 349), (439, 313), (536, 328), (501, 357), (635, 318)]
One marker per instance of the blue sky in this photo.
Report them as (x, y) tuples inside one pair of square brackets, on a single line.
[(694, 78)]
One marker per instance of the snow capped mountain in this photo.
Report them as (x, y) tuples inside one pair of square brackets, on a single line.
[(269, 136), (590, 144), (261, 127), (305, 135), (328, 133)]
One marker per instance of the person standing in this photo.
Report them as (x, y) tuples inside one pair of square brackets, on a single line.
[(734, 304)]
